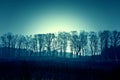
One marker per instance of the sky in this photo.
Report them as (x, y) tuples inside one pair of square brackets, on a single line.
[(44, 16)]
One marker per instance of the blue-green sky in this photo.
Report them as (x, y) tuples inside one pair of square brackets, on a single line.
[(41, 16)]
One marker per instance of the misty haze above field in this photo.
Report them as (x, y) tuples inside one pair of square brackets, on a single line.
[(43, 16)]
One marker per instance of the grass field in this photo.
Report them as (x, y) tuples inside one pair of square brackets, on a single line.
[(48, 68)]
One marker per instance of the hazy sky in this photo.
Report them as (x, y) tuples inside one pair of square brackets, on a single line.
[(41, 16)]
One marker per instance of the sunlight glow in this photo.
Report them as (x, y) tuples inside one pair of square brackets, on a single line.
[(56, 22)]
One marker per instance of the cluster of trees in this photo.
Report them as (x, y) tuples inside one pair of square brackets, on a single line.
[(103, 43)]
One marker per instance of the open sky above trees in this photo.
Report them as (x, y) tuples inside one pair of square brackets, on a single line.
[(44, 16)]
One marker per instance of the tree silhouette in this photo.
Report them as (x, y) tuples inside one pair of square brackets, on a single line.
[(116, 43), (63, 41), (40, 38), (4, 44), (48, 40), (93, 43), (54, 46), (83, 39), (76, 42), (20, 43), (33, 46), (27, 44), (13, 44), (105, 44)]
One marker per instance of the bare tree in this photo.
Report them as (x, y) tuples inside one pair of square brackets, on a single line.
[(27, 44), (20, 42), (83, 41), (13, 44), (14, 41), (41, 42), (93, 38), (63, 41), (59, 40), (104, 40), (76, 43), (116, 43), (33, 45), (7, 40), (9, 37), (116, 38), (48, 40), (54, 45), (4, 44)]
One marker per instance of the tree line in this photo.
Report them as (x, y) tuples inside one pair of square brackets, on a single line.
[(103, 43)]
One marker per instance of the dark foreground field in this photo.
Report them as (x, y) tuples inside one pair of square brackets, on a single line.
[(58, 69)]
